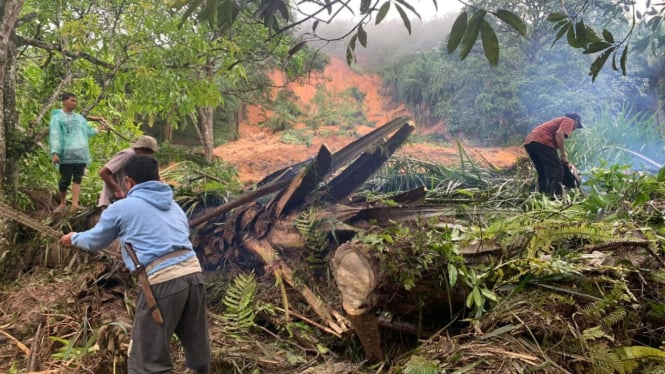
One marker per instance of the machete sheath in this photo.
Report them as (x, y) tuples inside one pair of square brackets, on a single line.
[(145, 286)]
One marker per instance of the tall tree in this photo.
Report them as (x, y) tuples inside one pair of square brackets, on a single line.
[(9, 15)]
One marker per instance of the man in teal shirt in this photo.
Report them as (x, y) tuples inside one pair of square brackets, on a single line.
[(69, 134)]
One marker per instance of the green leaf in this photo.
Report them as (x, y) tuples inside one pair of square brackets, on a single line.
[(573, 40), (452, 272), (639, 352), (490, 42), (624, 58), (410, 7), (420, 365), (457, 32), (296, 48), (227, 12), (362, 36), (598, 64), (322, 348), (488, 294), (562, 32), (477, 298), (596, 47), (590, 35), (404, 17), (349, 55), (555, 17), (561, 23), (283, 10), (364, 6), (382, 12), (608, 36), (593, 333), (471, 34), (512, 20), (469, 300)]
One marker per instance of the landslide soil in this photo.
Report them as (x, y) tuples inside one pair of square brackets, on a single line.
[(260, 151)]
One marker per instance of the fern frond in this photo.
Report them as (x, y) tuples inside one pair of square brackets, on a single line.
[(614, 317), (595, 310), (315, 240), (546, 237), (240, 302)]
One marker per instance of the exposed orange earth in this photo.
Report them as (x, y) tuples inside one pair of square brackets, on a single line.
[(258, 152)]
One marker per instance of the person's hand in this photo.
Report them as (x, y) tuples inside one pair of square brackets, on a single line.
[(56, 159), (117, 195), (66, 239), (103, 124), (564, 161)]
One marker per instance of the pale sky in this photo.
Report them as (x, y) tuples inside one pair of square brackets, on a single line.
[(425, 9)]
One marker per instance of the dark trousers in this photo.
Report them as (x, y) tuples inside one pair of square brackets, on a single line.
[(548, 165), (182, 304), (69, 172)]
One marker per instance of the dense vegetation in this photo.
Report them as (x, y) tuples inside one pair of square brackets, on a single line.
[(535, 81), (147, 67)]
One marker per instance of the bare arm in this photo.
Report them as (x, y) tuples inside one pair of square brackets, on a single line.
[(100, 119), (107, 177)]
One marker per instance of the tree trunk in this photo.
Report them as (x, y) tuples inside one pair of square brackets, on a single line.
[(11, 126), (168, 131), (206, 125), (206, 118), (9, 13)]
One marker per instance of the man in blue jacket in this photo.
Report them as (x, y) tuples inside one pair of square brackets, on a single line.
[(157, 228)]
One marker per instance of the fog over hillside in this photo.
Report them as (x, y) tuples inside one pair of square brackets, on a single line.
[(386, 42)]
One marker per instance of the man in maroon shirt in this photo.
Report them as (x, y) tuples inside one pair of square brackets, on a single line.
[(542, 143)]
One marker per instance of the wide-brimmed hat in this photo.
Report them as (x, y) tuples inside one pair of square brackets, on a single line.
[(577, 118), (147, 142)]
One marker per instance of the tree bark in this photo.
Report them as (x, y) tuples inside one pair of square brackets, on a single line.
[(206, 118), (11, 126), (206, 125), (168, 131), (9, 13)]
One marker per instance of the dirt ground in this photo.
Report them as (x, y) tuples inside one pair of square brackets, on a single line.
[(259, 151)]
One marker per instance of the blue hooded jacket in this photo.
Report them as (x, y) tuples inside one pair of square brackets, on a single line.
[(149, 219)]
